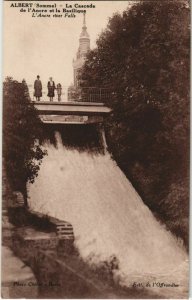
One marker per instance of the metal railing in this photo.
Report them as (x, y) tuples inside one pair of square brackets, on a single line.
[(77, 94)]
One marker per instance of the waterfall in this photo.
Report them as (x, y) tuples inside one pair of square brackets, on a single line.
[(108, 216)]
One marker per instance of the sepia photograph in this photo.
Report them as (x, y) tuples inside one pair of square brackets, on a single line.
[(95, 154)]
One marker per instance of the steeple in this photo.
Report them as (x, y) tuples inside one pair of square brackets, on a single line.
[(84, 47), (84, 40), (84, 33)]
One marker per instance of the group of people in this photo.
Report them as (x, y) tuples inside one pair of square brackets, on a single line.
[(51, 89)]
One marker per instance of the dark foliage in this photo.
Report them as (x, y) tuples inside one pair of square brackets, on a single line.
[(22, 132), (144, 56)]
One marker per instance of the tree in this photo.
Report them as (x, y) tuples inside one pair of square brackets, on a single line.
[(22, 134), (143, 55)]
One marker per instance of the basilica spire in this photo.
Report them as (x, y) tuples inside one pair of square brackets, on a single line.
[(84, 33), (84, 47)]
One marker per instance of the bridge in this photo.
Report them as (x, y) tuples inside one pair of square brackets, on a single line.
[(76, 106), (71, 112)]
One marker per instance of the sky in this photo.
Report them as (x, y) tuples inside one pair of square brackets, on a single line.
[(47, 46)]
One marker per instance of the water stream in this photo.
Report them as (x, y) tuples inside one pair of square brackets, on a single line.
[(109, 218)]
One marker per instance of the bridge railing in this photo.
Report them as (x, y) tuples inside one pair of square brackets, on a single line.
[(78, 94)]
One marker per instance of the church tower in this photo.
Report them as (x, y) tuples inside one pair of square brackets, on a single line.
[(84, 47)]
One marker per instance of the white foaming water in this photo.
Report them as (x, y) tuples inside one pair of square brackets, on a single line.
[(109, 218)]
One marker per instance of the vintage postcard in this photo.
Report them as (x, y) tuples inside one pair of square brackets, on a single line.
[(95, 172)]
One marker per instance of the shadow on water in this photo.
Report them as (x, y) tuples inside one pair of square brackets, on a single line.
[(83, 138)]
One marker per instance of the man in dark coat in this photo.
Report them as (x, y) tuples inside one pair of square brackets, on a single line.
[(38, 88), (51, 89)]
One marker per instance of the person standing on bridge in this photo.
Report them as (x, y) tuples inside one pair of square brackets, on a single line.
[(51, 88), (38, 88), (59, 91)]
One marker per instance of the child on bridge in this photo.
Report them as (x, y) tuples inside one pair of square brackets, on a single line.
[(59, 91)]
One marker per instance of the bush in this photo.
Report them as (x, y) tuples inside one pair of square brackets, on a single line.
[(22, 134)]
